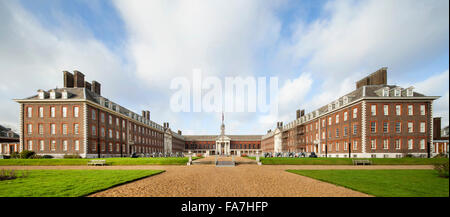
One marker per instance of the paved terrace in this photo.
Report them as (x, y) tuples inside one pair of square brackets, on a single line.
[(245, 180)]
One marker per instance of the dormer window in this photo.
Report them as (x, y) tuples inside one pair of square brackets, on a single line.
[(41, 95), (52, 95), (330, 107), (385, 92), (64, 94), (336, 104), (409, 92), (397, 92), (345, 99)]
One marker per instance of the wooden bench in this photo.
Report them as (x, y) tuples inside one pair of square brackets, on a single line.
[(362, 162), (97, 163)]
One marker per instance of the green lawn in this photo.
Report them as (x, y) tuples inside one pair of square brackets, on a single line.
[(348, 161), (385, 183), (68, 183), (109, 161)]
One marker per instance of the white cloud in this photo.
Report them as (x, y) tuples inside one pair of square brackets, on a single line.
[(354, 38), (362, 35), (33, 58), (437, 85), (170, 38)]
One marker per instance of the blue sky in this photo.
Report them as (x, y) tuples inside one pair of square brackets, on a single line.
[(317, 49)]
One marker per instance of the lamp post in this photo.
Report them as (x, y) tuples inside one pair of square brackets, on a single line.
[(349, 149)]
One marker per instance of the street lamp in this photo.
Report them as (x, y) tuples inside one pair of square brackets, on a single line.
[(349, 149)]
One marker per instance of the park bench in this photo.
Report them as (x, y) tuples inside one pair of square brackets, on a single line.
[(362, 162), (97, 163)]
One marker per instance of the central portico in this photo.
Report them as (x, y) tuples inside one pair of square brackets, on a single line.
[(223, 145)]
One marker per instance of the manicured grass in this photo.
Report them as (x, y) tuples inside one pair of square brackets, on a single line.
[(109, 161), (385, 183), (348, 161), (68, 183)]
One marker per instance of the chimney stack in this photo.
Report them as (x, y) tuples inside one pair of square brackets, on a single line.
[(68, 79), (147, 114), (78, 79), (437, 128), (377, 78), (87, 85), (96, 87), (179, 132), (144, 114), (302, 113), (298, 113)]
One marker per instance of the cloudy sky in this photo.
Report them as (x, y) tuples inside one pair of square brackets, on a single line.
[(316, 49)]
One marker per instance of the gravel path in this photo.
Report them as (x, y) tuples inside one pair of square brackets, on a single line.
[(241, 181)]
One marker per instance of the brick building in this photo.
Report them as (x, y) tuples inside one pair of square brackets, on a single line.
[(77, 119), (9, 141), (223, 144), (440, 138), (375, 120)]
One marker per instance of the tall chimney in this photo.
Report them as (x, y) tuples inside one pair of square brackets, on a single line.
[(96, 87), (302, 113), (437, 128), (147, 114), (87, 85), (78, 78), (179, 132), (68, 79), (298, 113), (144, 114)]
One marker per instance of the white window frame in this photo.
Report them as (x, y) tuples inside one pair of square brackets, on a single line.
[(410, 110), (52, 112), (398, 110), (30, 128), (64, 112), (76, 129), (77, 145), (41, 145), (410, 144), (30, 112), (373, 110), (41, 112), (422, 127), (410, 127), (422, 110), (76, 111)]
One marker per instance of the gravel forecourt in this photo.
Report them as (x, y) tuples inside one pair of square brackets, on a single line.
[(245, 180)]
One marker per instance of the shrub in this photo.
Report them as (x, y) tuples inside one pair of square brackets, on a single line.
[(36, 156), (7, 175), (72, 156), (26, 154), (199, 155), (441, 155), (15, 155), (442, 169), (47, 156), (409, 155), (11, 174), (244, 155)]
